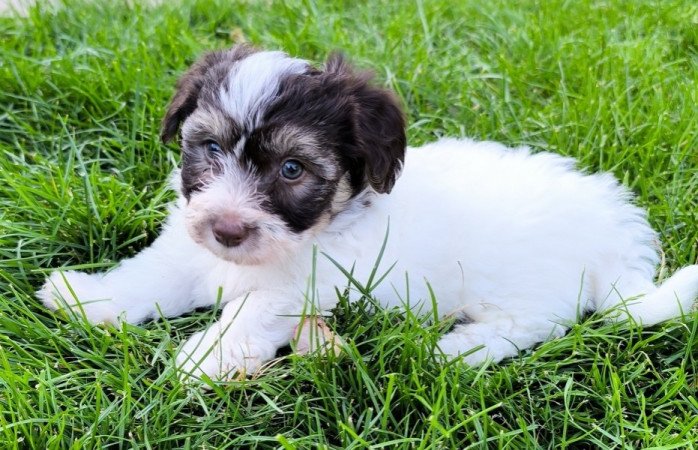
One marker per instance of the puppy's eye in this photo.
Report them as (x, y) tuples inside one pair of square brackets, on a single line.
[(291, 169), (213, 148)]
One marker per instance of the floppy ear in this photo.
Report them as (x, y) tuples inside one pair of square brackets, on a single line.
[(189, 87), (379, 125), (186, 95)]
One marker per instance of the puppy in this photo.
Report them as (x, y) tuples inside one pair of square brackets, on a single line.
[(287, 191)]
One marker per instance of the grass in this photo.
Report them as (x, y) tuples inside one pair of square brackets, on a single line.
[(83, 184)]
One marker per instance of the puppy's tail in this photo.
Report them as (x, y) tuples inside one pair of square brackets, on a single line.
[(673, 297)]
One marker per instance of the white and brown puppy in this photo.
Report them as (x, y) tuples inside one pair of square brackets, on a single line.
[(280, 157)]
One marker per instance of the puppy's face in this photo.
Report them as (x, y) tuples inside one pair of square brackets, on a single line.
[(273, 148)]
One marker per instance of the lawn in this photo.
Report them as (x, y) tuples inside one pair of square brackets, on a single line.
[(83, 183)]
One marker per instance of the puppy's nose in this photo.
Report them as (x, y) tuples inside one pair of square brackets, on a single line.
[(230, 232)]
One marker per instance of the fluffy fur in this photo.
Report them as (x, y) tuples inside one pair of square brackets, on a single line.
[(515, 244)]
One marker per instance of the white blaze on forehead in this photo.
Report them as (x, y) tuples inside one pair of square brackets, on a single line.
[(252, 85), (237, 149)]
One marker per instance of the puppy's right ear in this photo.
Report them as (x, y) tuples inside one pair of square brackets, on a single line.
[(189, 87), (186, 95)]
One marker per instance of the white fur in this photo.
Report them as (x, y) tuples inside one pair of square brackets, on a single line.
[(253, 83), (232, 194), (521, 243)]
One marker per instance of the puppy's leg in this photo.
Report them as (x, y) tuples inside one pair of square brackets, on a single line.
[(250, 331), (643, 301), (499, 335), (157, 281)]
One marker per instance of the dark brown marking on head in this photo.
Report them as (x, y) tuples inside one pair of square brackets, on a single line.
[(203, 76)]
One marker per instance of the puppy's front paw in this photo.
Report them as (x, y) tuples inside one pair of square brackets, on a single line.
[(79, 293), (469, 349), (222, 357)]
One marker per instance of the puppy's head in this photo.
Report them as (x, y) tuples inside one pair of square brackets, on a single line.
[(273, 148)]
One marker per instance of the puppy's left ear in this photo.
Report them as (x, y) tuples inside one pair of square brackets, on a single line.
[(379, 125)]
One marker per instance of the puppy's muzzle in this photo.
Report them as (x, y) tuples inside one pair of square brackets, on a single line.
[(230, 231)]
